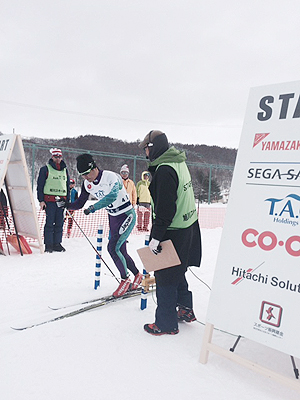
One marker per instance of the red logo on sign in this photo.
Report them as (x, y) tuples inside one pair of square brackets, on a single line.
[(267, 241), (270, 313), (259, 137)]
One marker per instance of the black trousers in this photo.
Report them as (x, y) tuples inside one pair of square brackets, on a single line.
[(53, 228), (168, 298), (171, 284)]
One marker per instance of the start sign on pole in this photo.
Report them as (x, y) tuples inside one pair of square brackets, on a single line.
[(256, 287)]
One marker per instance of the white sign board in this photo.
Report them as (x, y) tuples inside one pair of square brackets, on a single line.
[(14, 173), (256, 287)]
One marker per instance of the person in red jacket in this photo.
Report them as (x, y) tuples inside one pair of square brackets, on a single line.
[(3, 215), (3, 209)]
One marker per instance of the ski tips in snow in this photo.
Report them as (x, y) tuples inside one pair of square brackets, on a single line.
[(82, 303), (83, 307)]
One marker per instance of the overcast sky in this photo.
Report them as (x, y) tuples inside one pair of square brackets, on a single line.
[(120, 68)]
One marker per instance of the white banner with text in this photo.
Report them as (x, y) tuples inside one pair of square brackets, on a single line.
[(256, 287)]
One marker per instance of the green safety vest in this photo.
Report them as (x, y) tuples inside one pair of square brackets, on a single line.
[(56, 183), (186, 213)]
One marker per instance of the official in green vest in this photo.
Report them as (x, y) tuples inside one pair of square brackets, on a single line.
[(174, 217), (53, 181)]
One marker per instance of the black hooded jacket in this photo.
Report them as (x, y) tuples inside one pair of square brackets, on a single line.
[(163, 189)]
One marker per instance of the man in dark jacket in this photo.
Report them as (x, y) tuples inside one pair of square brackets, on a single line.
[(3, 209), (53, 181), (174, 217), (3, 215)]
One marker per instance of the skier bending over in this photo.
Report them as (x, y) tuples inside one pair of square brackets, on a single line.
[(107, 187)]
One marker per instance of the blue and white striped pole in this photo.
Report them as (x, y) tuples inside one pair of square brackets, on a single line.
[(98, 258), (144, 293)]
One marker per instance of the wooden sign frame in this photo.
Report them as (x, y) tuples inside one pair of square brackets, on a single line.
[(14, 172)]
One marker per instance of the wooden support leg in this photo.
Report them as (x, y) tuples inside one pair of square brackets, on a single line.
[(208, 332)]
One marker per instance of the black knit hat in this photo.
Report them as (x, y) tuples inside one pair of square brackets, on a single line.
[(150, 137), (85, 163)]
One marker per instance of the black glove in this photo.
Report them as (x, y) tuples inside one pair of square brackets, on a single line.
[(88, 210), (61, 203)]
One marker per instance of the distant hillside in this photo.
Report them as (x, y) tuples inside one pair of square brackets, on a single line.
[(201, 154), (209, 154)]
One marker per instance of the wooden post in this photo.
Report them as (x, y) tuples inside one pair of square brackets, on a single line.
[(208, 332)]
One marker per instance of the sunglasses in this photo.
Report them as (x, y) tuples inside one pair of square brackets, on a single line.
[(148, 145), (85, 172)]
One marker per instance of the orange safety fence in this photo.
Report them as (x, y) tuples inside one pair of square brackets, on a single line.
[(210, 217)]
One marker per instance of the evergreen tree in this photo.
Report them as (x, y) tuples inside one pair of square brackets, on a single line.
[(202, 188)]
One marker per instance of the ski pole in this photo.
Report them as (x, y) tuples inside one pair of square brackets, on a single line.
[(97, 252)]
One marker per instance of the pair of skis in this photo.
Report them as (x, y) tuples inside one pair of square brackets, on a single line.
[(83, 307)]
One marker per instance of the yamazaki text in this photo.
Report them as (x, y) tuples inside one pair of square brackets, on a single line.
[(252, 238)]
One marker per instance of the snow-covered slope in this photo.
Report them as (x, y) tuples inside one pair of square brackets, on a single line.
[(105, 353)]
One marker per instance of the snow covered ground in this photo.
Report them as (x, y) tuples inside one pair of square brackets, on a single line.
[(105, 353)]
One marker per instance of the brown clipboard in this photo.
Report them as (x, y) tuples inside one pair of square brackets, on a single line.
[(167, 258)]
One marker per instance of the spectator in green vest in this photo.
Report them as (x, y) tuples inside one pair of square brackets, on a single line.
[(53, 182)]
